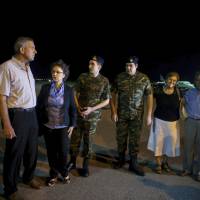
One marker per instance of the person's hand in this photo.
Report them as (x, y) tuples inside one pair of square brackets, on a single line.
[(149, 120), (87, 111), (114, 117), (70, 131), (80, 111), (9, 132)]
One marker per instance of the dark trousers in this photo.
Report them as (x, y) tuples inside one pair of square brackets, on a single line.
[(23, 146), (191, 157), (57, 144)]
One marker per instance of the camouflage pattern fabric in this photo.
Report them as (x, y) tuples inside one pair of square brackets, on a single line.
[(128, 129), (92, 91), (85, 131), (131, 91)]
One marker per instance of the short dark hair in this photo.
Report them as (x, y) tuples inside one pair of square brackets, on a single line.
[(98, 59), (170, 74), (20, 41), (63, 66)]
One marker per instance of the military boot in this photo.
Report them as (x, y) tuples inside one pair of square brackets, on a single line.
[(85, 169), (135, 167), (121, 161), (72, 163)]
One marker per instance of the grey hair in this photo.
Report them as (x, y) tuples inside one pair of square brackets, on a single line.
[(20, 43)]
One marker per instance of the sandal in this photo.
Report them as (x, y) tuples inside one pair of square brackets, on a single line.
[(158, 169), (66, 179), (51, 182), (165, 167)]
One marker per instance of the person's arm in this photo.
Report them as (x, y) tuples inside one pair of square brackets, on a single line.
[(40, 102), (88, 110), (79, 108), (182, 105), (7, 127), (72, 114), (72, 109), (182, 109), (149, 109), (113, 106), (182, 102)]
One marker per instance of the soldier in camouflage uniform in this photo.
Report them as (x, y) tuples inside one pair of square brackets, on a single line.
[(92, 94), (127, 111)]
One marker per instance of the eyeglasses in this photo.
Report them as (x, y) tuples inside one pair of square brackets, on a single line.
[(56, 72)]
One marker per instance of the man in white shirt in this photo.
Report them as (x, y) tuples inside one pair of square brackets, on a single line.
[(17, 112)]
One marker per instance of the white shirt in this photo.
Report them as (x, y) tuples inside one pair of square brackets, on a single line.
[(18, 84)]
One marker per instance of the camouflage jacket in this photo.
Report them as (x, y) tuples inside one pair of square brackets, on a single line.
[(131, 91), (92, 91)]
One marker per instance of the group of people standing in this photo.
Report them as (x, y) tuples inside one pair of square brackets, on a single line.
[(164, 139), (66, 116)]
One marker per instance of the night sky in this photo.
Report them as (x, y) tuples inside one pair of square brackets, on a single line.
[(165, 39)]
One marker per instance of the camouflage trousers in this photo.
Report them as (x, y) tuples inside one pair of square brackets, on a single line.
[(85, 132), (128, 130)]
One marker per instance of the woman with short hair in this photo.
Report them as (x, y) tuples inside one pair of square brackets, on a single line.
[(164, 139), (57, 118)]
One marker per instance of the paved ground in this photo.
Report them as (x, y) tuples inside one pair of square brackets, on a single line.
[(106, 183)]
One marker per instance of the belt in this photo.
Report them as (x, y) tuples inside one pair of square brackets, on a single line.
[(22, 109)]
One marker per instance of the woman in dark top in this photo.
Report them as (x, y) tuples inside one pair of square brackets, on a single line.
[(164, 138), (57, 117)]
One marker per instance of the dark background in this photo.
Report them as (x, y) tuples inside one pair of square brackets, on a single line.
[(165, 37)]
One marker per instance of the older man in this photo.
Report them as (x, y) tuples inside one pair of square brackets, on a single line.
[(191, 157), (17, 111)]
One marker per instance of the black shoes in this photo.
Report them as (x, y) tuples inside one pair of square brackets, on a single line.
[(185, 173), (84, 172), (71, 166), (72, 163), (66, 179), (51, 181), (197, 177), (137, 169), (119, 164), (121, 161), (166, 167)]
